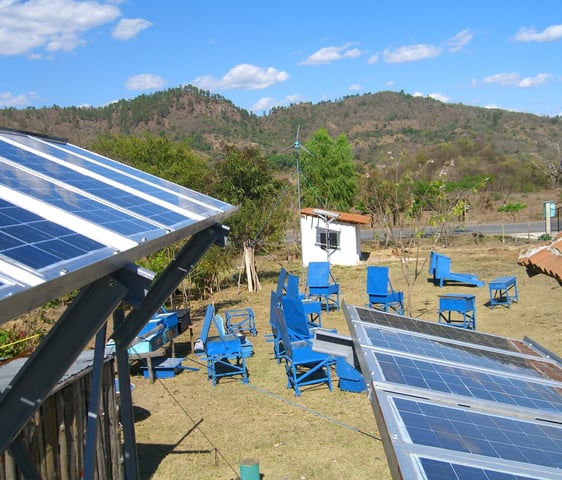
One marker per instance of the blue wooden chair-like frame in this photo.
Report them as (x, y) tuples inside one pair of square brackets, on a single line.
[(241, 320), (381, 294), (275, 337), (223, 353), (303, 366), (440, 269), (312, 308), (321, 285)]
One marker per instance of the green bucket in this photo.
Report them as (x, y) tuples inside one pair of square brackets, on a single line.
[(249, 469)]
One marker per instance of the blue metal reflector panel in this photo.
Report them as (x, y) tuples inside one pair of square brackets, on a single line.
[(69, 216), (458, 404)]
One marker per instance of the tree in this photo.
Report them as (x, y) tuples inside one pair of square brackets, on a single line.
[(551, 166), (406, 203), (243, 177), (160, 156), (446, 201), (512, 209), (329, 175)]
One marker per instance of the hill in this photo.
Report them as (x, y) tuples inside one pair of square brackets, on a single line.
[(374, 123)]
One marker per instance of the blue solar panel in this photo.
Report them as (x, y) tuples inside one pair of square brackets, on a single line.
[(469, 382), (97, 188), (442, 470), (150, 185), (495, 436), (435, 330), (208, 204), (33, 241), (453, 352), (457, 404), (69, 216)]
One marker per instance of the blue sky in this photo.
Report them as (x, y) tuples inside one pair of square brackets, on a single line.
[(260, 54)]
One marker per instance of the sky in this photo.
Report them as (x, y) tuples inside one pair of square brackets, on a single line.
[(260, 55)]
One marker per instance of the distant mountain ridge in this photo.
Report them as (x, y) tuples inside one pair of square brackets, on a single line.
[(374, 123)]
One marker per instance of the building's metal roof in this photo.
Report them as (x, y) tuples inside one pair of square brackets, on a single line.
[(10, 368), (341, 217)]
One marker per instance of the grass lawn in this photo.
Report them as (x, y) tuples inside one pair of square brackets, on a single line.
[(186, 428)]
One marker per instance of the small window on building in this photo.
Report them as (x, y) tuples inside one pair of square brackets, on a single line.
[(327, 239)]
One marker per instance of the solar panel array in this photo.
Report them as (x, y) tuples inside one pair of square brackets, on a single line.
[(64, 209), (453, 404)]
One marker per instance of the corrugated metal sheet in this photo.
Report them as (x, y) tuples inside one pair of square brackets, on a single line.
[(544, 258), (341, 216), (9, 369)]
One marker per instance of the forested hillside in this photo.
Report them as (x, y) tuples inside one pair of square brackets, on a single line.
[(378, 127)]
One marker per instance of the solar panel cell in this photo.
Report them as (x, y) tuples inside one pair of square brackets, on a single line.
[(463, 431), (471, 383), (482, 406), (452, 352), (442, 470)]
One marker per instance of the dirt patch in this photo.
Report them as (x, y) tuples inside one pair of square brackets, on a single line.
[(186, 428)]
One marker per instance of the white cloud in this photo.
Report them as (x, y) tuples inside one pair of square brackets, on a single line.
[(267, 103), (331, 54), (460, 40), (538, 79), (515, 80), (54, 25), (7, 99), (128, 28), (508, 79), (263, 104), (411, 53), (549, 34), (145, 81), (436, 96), (355, 87), (373, 59), (439, 96), (243, 77)]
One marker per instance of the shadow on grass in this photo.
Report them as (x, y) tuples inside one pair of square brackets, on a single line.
[(150, 455)]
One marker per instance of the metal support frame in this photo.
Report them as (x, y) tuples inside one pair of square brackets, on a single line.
[(56, 353), (93, 404), (168, 280), (83, 319), (127, 328)]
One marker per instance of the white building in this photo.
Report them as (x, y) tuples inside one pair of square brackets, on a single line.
[(331, 236)]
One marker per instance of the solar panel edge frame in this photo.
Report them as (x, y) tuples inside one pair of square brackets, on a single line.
[(403, 448), (399, 455), (456, 399), (34, 297), (387, 443)]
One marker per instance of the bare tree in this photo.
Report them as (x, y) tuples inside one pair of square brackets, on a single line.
[(551, 166)]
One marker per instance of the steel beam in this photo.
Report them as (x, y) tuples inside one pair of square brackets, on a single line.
[(168, 281), (93, 405)]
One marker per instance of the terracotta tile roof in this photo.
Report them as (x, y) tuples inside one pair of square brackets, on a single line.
[(544, 258), (342, 216)]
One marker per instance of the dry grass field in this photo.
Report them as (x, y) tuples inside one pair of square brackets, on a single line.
[(188, 429)]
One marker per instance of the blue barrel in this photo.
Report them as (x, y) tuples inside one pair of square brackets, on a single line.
[(249, 469)]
